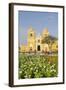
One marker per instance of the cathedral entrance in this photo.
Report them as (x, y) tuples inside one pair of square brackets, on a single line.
[(38, 48)]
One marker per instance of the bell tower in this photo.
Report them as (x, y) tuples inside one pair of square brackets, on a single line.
[(45, 33), (31, 39)]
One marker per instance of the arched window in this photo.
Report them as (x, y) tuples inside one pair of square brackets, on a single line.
[(38, 40), (31, 34)]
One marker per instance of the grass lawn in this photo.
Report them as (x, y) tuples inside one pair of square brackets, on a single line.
[(37, 66)]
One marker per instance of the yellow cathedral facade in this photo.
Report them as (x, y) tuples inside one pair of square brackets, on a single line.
[(34, 43)]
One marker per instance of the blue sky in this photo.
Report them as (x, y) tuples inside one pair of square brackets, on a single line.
[(39, 21)]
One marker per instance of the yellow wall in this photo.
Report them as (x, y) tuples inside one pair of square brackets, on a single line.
[(24, 48), (55, 46)]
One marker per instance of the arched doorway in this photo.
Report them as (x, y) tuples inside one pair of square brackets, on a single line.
[(38, 48)]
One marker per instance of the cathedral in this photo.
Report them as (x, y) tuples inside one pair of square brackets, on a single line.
[(34, 42)]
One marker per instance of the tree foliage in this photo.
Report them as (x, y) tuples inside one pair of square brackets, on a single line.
[(49, 39)]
